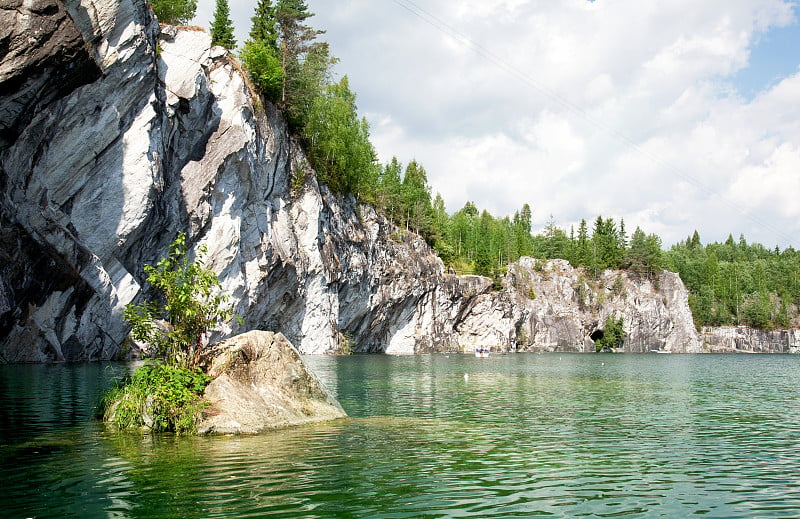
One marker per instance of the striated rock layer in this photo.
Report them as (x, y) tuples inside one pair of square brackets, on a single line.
[(117, 134)]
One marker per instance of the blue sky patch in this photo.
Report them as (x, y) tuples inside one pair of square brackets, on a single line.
[(775, 57)]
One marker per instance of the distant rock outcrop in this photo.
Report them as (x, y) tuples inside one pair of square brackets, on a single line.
[(148, 131), (260, 383), (743, 339), (548, 305)]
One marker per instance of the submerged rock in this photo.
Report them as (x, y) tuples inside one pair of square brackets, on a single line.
[(261, 383)]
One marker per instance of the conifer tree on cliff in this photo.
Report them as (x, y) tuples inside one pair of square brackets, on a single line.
[(283, 58), (263, 28), (174, 12), (260, 52), (305, 62), (222, 27)]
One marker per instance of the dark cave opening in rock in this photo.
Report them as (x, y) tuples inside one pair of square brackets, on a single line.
[(596, 335)]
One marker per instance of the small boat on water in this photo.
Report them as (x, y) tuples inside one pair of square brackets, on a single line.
[(482, 352)]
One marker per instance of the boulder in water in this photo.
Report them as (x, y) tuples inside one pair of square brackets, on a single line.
[(260, 383)]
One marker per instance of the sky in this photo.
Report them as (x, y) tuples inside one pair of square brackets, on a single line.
[(674, 116)]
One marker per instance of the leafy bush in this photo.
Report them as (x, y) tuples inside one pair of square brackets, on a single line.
[(264, 66), (167, 396), (190, 306), (159, 398), (613, 333)]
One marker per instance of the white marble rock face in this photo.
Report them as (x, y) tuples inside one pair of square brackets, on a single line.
[(98, 177)]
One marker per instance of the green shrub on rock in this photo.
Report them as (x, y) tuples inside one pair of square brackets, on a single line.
[(192, 305), (613, 334), (264, 66), (166, 395), (158, 398), (174, 12)]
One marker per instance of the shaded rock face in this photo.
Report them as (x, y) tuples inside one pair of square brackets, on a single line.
[(77, 84), (99, 173), (260, 383), (44, 57)]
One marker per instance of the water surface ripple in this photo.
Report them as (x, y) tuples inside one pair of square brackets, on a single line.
[(434, 436)]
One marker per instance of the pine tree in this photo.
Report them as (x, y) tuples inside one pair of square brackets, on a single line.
[(222, 27), (389, 184), (339, 147), (607, 244), (260, 52), (582, 254), (636, 255), (695, 240), (174, 12), (440, 219), (484, 258), (263, 28), (295, 45), (417, 198), (522, 231)]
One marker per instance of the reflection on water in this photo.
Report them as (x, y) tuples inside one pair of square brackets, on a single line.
[(519, 436), (41, 397)]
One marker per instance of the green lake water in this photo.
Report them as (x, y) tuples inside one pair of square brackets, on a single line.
[(522, 435)]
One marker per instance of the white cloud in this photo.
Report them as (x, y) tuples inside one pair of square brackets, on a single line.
[(773, 185), (624, 108)]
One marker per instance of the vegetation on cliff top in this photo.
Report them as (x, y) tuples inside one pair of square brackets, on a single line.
[(292, 68), (222, 26), (736, 282), (174, 12)]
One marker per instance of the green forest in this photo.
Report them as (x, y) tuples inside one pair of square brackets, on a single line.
[(730, 283)]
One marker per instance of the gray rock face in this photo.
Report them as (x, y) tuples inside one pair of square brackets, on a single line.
[(561, 308), (99, 173), (743, 339), (77, 175), (260, 383), (44, 57)]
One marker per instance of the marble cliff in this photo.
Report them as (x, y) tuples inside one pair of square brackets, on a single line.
[(116, 134)]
